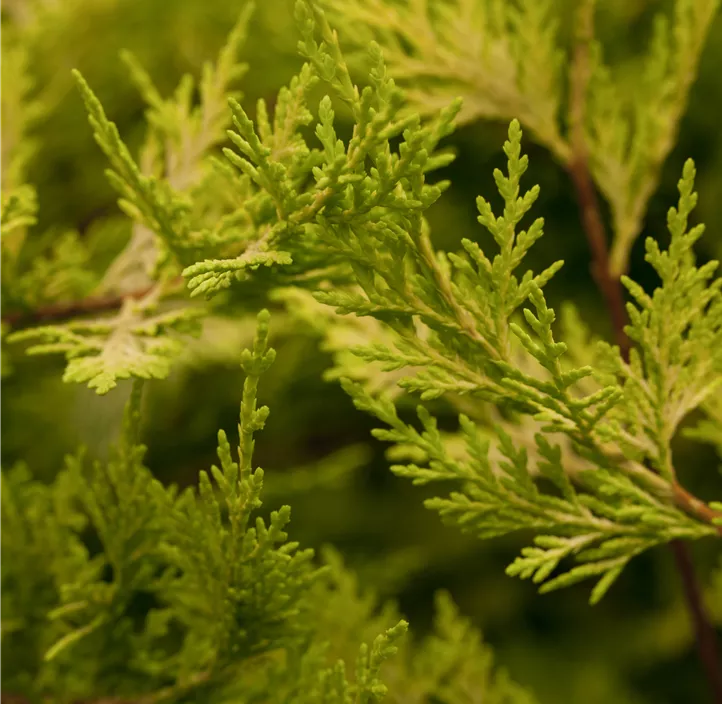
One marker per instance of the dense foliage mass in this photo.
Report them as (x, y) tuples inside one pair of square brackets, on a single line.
[(321, 202)]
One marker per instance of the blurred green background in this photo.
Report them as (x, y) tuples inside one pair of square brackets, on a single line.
[(635, 646)]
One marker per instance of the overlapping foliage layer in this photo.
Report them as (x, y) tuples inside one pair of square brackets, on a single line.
[(116, 584)]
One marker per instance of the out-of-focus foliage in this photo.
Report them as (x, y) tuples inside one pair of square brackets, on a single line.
[(237, 610), (507, 61)]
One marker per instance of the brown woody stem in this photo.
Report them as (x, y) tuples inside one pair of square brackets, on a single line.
[(611, 289), (692, 505), (84, 306), (71, 309)]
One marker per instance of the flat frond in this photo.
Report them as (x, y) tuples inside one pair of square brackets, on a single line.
[(134, 343)]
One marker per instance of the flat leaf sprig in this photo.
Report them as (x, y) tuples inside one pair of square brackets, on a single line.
[(302, 190)]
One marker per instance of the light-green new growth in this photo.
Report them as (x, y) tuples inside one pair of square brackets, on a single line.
[(507, 60), (559, 435)]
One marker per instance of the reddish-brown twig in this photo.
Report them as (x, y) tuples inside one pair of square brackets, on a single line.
[(611, 289), (72, 309)]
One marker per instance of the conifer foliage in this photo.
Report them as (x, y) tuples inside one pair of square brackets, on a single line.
[(114, 585), (236, 612), (507, 60)]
